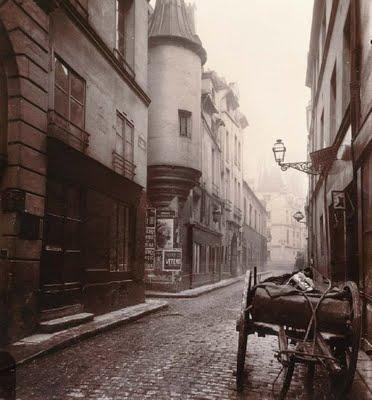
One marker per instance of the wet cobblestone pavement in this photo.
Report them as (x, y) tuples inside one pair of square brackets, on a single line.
[(185, 352)]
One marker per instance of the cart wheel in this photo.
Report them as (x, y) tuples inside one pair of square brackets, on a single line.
[(242, 350), (347, 351), (243, 333), (287, 379)]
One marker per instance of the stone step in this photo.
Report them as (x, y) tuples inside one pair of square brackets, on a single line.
[(54, 313), (60, 324)]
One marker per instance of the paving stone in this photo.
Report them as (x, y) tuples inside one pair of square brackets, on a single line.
[(185, 352)]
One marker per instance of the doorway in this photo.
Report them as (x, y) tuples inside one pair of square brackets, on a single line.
[(61, 271)]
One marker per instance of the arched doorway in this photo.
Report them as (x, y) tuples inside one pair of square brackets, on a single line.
[(234, 255)]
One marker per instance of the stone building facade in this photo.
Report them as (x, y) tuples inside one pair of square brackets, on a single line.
[(73, 145), (255, 230), (195, 179), (339, 75), (287, 236)]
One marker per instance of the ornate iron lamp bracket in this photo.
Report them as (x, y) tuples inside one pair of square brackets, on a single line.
[(304, 166)]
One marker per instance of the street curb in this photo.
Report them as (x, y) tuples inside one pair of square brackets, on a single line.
[(196, 292), (25, 351), (199, 291)]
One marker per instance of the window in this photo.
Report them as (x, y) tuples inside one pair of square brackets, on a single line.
[(245, 210), (239, 154), (207, 259), (236, 151), (346, 65), (124, 147), (125, 32), (333, 104), (239, 192), (255, 219), (185, 123), (287, 236), (69, 94), (250, 215), (124, 137), (227, 147), (196, 258), (321, 132), (213, 167)]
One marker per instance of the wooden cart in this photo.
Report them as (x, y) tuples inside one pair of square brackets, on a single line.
[(332, 338)]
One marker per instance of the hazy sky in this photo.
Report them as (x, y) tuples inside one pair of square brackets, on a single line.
[(262, 45)]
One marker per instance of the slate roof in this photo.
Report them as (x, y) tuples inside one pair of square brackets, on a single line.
[(171, 19)]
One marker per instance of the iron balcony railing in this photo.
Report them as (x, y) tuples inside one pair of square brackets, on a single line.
[(61, 128), (123, 166)]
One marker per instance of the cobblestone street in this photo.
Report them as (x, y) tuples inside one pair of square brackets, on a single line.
[(185, 352)]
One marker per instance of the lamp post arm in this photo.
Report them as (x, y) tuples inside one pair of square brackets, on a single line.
[(303, 166)]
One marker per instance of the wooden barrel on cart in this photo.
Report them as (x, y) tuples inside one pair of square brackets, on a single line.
[(294, 310)]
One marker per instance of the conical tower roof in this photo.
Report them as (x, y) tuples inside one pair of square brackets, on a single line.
[(171, 21)]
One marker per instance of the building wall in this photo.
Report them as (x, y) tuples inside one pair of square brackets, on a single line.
[(175, 84), (287, 235), (106, 93), (30, 36), (340, 244)]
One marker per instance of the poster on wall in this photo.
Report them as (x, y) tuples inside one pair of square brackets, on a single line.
[(164, 233), (167, 232), (150, 239), (149, 258), (159, 258), (172, 260), (151, 218)]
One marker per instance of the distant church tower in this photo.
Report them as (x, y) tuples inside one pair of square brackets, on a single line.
[(176, 56)]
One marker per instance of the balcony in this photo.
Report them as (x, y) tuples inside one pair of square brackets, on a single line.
[(228, 205), (123, 166), (64, 130), (237, 212)]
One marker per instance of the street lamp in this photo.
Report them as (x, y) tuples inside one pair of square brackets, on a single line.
[(299, 216), (304, 166), (279, 151)]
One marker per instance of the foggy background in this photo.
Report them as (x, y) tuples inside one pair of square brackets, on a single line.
[(262, 45)]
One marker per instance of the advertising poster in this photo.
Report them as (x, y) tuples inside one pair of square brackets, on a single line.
[(158, 260), (172, 260), (149, 258), (165, 233), (150, 239)]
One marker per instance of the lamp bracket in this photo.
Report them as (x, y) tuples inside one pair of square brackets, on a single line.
[(304, 166)]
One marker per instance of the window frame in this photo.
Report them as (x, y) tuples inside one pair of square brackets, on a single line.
[(68, 93), (186, 130)]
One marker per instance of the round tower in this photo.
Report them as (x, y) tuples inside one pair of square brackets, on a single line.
[(176, 56)]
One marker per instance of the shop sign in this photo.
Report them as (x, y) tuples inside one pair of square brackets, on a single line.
[(172, 260)]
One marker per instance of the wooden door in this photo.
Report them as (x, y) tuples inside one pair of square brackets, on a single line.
[(61, 271)]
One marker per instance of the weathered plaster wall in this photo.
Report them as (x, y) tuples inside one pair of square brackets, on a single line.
[(174, 83)]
